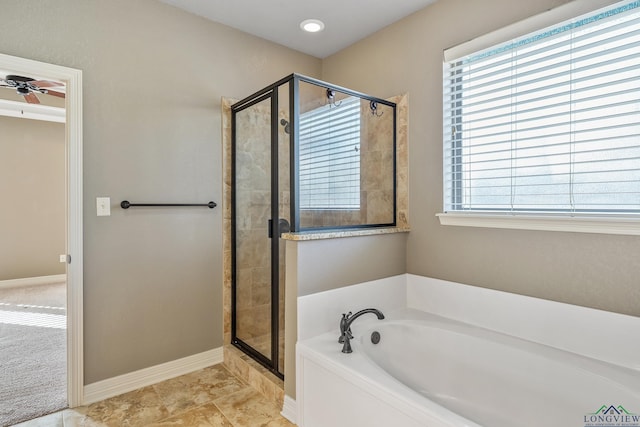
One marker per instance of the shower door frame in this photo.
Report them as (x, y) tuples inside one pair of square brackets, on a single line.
[(269, 92)]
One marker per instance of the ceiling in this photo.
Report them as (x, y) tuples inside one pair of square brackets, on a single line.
[(346, 21)]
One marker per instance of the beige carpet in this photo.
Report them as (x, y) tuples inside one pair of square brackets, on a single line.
[(32, 352)]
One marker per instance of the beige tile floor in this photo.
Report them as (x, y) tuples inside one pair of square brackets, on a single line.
[(209, 397)]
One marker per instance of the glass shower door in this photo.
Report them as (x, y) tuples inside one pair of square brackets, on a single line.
[(252, 321), (261, 212)]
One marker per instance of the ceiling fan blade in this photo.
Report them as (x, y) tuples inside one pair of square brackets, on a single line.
[(55, 93), (46, 83), (31, 98)]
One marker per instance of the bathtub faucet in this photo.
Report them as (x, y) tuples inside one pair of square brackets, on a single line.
[(345, 326)]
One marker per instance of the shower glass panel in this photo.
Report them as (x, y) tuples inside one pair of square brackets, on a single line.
[(346, 159)]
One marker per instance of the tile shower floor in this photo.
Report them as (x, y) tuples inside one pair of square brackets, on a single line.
[(209, 397)]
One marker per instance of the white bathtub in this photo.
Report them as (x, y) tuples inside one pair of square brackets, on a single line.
[(431, 371), (457, 355)]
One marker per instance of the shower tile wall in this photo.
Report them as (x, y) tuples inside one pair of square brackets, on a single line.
[(376, 165), (225, 105), (284, 206), (402, 160)]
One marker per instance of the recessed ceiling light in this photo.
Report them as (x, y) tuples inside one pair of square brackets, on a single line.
[(312, 25)]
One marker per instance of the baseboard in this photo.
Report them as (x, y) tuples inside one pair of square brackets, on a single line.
[(290, 409), (33, 281), (110, 387)]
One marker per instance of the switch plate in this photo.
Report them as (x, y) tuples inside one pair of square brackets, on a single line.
[(63, 258), (103, 206)]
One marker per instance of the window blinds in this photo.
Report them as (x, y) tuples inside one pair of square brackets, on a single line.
[(330, 156), (548, 122)]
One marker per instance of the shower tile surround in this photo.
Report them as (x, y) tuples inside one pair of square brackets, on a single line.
[(236, 361)]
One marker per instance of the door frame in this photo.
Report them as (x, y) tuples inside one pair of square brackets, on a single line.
[(73, 151)]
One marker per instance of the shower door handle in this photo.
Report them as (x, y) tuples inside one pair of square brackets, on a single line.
[(283, 227)]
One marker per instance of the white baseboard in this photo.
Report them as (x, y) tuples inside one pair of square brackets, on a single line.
[(110, 387), (290, 409), (33, 281)]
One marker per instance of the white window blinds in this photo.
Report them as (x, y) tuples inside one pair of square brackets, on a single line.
[(330, 156), (548, 122)]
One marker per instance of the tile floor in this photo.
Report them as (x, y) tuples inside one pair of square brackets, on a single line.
[(209, 397)]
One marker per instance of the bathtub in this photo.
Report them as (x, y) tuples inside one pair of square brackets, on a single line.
[(432, 371)]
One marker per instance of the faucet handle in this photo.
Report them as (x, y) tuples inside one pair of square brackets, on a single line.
[(343, 328), (343, 321), (347, 333)]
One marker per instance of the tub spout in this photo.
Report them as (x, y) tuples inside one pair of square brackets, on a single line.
[(345, 326)]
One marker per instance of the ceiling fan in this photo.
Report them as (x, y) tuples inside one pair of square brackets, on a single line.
[(28, 87)]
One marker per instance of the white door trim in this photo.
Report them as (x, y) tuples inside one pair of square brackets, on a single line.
[(73, 80)]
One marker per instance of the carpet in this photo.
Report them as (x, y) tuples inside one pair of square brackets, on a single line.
[(33, 365)]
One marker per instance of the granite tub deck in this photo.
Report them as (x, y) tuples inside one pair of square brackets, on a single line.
[(209, 397)]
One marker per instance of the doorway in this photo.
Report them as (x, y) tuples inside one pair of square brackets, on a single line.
[(72, 255)]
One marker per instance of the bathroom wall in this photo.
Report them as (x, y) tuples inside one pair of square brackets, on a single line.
[(328, 264), (153, 77), (593, 270), (32, 190)]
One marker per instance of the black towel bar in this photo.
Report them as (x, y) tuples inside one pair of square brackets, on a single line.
[(126, 204)]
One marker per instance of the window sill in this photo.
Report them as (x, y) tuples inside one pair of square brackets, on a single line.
[(575, 224)]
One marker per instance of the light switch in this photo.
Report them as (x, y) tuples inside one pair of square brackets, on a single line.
[(63, 258), (103, 206)]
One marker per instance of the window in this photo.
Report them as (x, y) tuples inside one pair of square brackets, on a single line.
[(548, 123), (330, 156)]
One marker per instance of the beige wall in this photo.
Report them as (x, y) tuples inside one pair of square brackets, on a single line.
[(328, 264), (32, 190), (153, 77), (586, 269)]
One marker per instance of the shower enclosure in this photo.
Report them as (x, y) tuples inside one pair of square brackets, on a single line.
[(306, 156)]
